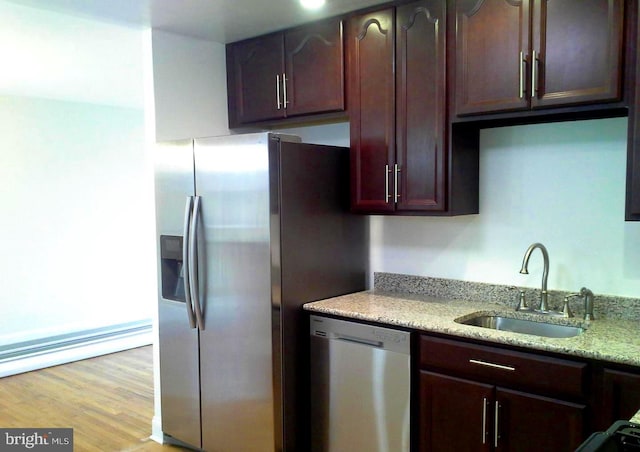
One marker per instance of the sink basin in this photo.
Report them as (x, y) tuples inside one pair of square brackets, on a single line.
[(544, 329)]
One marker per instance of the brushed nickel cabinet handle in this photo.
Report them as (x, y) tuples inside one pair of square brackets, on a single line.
[(278, 104), (284, 91), (534, 75), (523, 63), (487, 364), (495, 429), (484, 420), (386, 184), (396, 195)]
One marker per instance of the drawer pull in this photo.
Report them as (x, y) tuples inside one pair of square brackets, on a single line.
[(497, 366)]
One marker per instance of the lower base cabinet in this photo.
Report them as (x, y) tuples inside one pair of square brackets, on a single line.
[(454, 413), (620, 397), (529, 422), (480, 398), (459, 414)]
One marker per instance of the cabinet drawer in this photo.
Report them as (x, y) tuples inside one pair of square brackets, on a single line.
[(504, 367)]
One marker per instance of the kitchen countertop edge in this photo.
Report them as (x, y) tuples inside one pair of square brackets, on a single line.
[(606, 340)]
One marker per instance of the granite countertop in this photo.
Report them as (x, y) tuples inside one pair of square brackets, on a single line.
[(612, 340)]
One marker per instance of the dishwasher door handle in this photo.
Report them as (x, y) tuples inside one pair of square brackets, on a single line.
[(358, 340)]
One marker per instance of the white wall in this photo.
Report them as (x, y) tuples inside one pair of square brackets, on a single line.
[(77, 196), (76, 215), (190, 87), (329, 134), (56, 56), (562, 184)]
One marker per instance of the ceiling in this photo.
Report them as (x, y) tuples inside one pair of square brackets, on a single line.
[(41, 40), (221, 21)]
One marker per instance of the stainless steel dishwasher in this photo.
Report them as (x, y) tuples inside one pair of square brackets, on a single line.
[(360, 385)]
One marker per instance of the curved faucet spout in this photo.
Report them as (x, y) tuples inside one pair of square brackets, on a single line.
[(545, 273), (588, 303)]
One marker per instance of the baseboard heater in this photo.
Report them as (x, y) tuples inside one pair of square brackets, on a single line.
[(39, 353)]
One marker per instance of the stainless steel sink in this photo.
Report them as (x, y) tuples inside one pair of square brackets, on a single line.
[(536, 328)]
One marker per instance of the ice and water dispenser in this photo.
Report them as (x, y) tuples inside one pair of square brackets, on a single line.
[(171, 268)]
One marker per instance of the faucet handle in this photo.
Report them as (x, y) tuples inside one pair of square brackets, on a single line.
[(566, 310), (522, 302)]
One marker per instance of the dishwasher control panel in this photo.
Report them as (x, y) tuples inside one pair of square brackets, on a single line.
[(370, 335)]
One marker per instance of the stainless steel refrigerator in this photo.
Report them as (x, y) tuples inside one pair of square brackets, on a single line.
[(249, 227)]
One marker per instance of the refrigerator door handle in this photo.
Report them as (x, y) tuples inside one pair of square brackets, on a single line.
[(193, 262), (185, 262)]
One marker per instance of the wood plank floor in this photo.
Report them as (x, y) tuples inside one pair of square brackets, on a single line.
[(108, 401)]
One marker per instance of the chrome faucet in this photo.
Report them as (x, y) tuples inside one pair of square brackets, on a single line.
[(545, 273)]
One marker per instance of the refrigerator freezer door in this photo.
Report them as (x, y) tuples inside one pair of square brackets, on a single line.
[(179, 367), (235, 345)]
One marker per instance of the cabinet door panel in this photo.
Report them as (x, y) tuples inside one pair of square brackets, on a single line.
[(579, 48), (420, 113), (453, 413), (527, 422), (621, 396), (489, 38), (315, 71), (255, 65), (370, 70)]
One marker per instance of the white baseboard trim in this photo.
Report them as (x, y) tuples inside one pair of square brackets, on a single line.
[(33, 355)]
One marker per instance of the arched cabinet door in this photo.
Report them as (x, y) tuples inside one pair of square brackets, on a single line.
[(421, 105), (292, 73), (314, 60), (253, 79), (370, 69), (491, 48)]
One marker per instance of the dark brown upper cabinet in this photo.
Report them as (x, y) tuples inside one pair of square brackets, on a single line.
[(254, 71), (421, 119), (370, 75), (291, 73), (632, 211), (397, 107), (520, 54)]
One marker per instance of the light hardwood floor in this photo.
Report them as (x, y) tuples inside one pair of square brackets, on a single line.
[(108, 401)]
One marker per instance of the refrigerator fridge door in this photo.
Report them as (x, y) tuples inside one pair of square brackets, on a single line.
[(235, 344), (318, 250), (179, 364)]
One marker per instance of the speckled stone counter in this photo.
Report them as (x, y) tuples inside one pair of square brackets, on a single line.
[(611, 339)]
